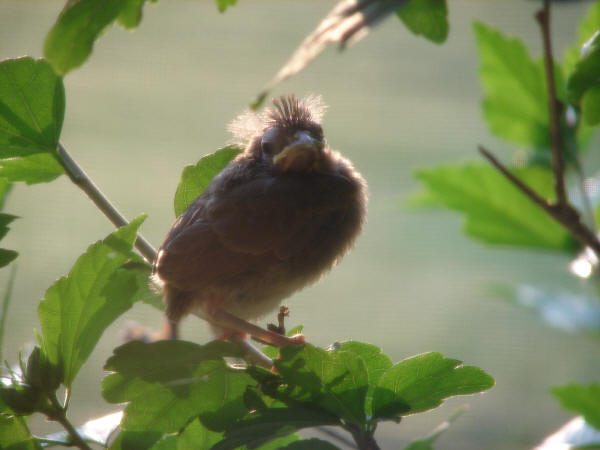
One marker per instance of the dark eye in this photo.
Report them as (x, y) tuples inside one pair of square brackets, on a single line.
[(268, 148)]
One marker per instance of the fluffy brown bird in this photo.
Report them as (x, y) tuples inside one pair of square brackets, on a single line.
[(274, 220)]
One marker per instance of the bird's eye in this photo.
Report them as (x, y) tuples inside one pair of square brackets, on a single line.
[(268, 148)]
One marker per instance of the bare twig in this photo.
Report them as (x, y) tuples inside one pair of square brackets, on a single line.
[(554, 106), (81, 179), (564, 214)]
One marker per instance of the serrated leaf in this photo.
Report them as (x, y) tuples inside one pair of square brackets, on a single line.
[(506, 66), (32, 169), (426, 17), (32, 107), (81, 22), (588, 26), (77, 308), (195, 179), (422, 382), (222, 5), (15, 434), (584, 400), (590, 106), (167, 383), (335, 380), (263, 426), (496, 212)]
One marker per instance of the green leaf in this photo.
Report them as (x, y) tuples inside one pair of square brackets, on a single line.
[(586, 73), (506, 67), (335, 380), (195, 179), (588, 26), (77, 308), (168, 383), (264, 426), (81, 22), (590, 106), (496, 211), (584, 400), (32, 107), (7, 256), (15, 434), (426, 17), (222, 5), (32, 169), (422, 382)]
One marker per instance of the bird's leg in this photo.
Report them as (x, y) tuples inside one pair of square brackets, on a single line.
[(231, 323)]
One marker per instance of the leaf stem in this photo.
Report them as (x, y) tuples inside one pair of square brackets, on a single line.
[(565, 214), (364, 441), (81, 179), (58, 413), (554, 106)]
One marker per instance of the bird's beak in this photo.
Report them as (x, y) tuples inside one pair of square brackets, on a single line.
[(302, 154)]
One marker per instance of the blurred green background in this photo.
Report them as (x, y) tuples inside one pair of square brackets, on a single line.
[(151, 101)]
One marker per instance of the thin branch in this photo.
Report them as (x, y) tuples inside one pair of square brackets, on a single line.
[(543, 18), (58, 414), (564, 214), (81, 179), (332, 433)]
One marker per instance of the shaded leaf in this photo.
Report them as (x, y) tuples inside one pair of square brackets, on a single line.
[(422, 382), (496, 211), (347, 23), (588, 26), (584, 400), (335, 380), (167, 383), (590, 106), (195, 179), (506, 66), (7, 256), (222, 5), (32, 107), (426, 17), (77, 308), (32, 169), (263, 426), (4, 312)]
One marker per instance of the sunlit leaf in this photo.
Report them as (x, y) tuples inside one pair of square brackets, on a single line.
[(15, 434), (495, 211), (506, 66), (422, 382), (32, 107), (586, 73), (588, 26), (32, 169), (580, 399), (167, 383), (426, 17), (195, 179), (77, 308), (81, 22)]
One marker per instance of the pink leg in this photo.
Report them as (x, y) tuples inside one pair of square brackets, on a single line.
[(235, 325)]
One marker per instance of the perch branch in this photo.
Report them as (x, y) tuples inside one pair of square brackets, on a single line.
[(81, 179), (554, 106), (564, 214)]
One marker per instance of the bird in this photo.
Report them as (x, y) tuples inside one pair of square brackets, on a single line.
[(274, 220)]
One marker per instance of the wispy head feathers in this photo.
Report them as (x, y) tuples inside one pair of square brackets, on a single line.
[(286, 112)]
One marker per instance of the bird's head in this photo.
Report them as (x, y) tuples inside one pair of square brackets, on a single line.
[(287, 135)]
